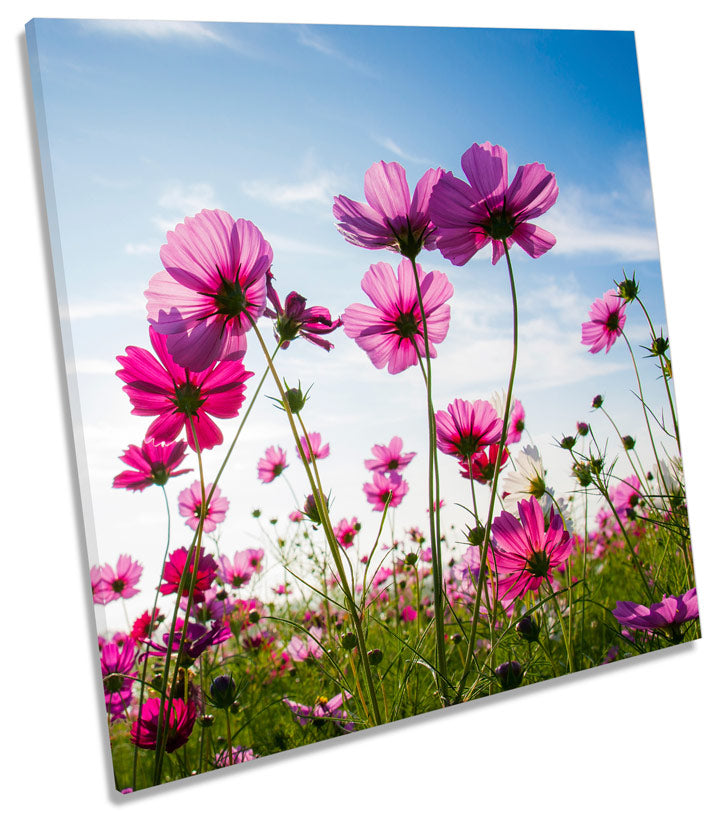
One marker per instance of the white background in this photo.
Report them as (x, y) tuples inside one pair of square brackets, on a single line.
[(636, 737)]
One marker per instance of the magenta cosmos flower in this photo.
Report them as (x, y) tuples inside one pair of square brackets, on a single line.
[(389, 458), (112, 583), (626, 496), (671, 612), (468, 216), (345, 532), (178, 724), (117, 663), (238, 571), (175, 395), (238, 755), (385, 488), (390, 219), (483, 464), (191, 506), (272, 464), (607, 319), (467, 427), (295, 319), (212, 289), (150, 464), (173, 571), (525, 550), (314, 448), (391, 331)]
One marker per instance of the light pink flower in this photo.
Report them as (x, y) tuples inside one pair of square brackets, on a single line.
[(671, 612), (238, 571), (175, 395), (607, 319), (525, 551), (390, 219), (391, 332), (315, 447), (385, 488), (467, 427), (389, 458), (212, 289), (468, 216), (272, 464), (296, 516), (191, 506), (301, 650), (151, 464), (112, 583), (324, 709), (626, 495)]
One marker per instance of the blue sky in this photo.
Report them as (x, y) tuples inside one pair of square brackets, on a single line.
[(150, 122)]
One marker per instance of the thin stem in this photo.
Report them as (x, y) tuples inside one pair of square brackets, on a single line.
[(496, 475)]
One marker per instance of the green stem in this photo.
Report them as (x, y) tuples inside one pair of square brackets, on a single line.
[(494, 488)]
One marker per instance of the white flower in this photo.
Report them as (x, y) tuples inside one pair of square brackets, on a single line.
[(527, 479)]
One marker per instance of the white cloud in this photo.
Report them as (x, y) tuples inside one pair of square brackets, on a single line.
[(100, 309), (316, 188), (312, 39), (288, 245), (159, 30), (140, 249), (392, 146), (618, 223), (179, 201)]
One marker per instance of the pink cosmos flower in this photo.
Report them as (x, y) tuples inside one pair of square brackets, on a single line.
[(113, 583), (301, 650), (468, 216), (239, 754), (346, 531), (607, 319), (151, 464), (117, 664), (272, 465), (408, 614), (238, 571), (191, 506), (175, 395), (324, 710), (173, 570), (391, 332), (179, 722), (385, 488), (524, 550), (483, 464), (212, 289), (467, 427), (516, 421), (296, 516), (295, 319), (389, 458), (141, 626), (390, 219), (670, 613), (626, 496), (315, 447)]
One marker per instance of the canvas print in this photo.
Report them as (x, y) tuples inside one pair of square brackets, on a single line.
[(370, 374)]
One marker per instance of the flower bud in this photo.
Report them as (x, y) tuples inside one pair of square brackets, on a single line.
[(295, 399), (206, 720), (311, 510), (582, 428), (628, 442), (568, 442), (629, 289), (375, 656), (476, 535), (582, 473), (510, 674), (348, 640), (659, 346), (456, 638), (254, 616), (411, 558), (597, 402), (222, 691), (528, 629)]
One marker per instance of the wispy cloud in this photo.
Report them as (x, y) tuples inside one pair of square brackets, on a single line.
[(315, 188), (160, 30), (290, 245), (618, 223), (101, 309), (140, 249), (392, 146), (179, 201), (311, 38)]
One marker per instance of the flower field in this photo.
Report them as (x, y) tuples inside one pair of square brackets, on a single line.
[(356, 627)]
